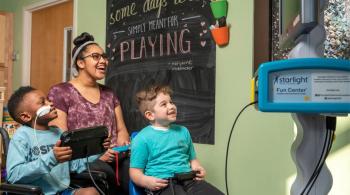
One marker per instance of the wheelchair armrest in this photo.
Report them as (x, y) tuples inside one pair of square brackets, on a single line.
[(97, 175), (135, 190), (20, 189)]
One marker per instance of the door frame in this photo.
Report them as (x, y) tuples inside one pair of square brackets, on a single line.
[(27, 33)]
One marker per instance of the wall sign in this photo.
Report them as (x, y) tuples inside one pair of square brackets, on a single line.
[(164, 41), (305, 85)]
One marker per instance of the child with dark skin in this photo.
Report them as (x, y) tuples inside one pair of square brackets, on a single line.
[(35, 156)]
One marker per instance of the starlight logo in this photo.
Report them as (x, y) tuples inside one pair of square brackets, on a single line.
[(289, 80), (276, 79)]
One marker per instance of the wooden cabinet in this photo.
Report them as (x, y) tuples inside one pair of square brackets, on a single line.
[(6, 51)]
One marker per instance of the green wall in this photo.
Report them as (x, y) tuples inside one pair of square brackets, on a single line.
[(91, 17), (259, 152), (259, 155)]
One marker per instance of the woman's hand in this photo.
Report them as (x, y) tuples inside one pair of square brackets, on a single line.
[(123, 138), (108, 156), (107, 143)]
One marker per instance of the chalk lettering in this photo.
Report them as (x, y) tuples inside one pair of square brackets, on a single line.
[(122, 13), (150, 5), (175, 42), (178, 2), (136, 29), (168, 22)]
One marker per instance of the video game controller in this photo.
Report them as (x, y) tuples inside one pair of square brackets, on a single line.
[(185, 176), (120, 149)]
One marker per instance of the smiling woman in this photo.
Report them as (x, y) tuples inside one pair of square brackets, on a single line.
[(82, 101)]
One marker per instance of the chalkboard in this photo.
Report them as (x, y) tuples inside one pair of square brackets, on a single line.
[(167, 42)]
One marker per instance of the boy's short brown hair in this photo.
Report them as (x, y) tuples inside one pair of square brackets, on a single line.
[(145, 97)]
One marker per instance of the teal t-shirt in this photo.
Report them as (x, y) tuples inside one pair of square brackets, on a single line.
[(161, 153)]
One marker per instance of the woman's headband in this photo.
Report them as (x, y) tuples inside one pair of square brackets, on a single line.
[(79, 49), (74, 68)]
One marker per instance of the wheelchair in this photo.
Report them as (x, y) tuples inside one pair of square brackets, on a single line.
[(77, 180), (135, 190)]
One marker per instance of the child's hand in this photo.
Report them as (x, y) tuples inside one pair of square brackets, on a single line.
[(108, 156), (153, 183), (201, 172), (62, 154), (107, 142), (196, 166)]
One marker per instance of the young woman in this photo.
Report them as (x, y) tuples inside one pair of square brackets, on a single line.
[(82, 102)]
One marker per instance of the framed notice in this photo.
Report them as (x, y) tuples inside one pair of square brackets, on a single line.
[(167, 42)]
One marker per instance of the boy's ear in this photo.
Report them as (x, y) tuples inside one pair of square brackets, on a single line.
[(149, 115), (25, 117)]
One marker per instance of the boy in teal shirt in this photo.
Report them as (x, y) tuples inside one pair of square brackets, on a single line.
[(35, 156), (162, 149)]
